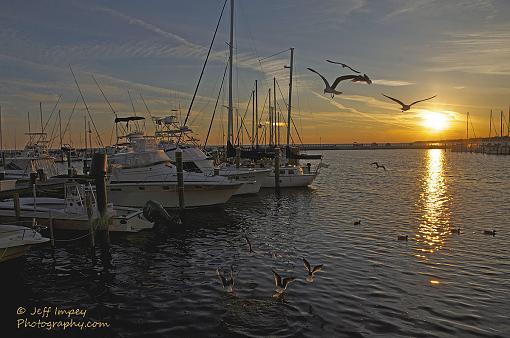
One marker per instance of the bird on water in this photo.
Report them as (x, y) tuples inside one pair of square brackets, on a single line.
[(281, 284), (226, 283), (311, 271), (377, 165)]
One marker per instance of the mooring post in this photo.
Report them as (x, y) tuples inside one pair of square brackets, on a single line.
[(238, 157), (98, 171), (88, 204), (52, 236), (180, 178), (17, 210), (69, 169), (277, 169)]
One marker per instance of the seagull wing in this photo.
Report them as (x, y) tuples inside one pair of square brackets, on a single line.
[(393, 99), (342, 78), (249, 243), (383, 167), (423, 100), (374, 163), (221, 277), (287, 280), (317, 268), (322, 77), (307, 265), (343, 65), (277, 278)]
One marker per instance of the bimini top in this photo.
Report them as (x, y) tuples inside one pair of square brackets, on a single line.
[(129, 119)]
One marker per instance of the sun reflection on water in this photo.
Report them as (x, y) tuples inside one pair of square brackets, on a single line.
[(434, 203)]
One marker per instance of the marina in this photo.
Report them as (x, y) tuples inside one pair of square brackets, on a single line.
[(226, 169)]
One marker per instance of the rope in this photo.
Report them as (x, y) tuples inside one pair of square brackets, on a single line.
[(216, 105), (203, 69), (72, 239)]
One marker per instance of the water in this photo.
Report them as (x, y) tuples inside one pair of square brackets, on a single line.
[(163, 283)]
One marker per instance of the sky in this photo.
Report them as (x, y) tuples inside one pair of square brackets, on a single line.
[(411, 49)]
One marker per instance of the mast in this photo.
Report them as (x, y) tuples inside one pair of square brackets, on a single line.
[(230, 134), (252, 118), (467, 126), (40, 110), (60, 132), (290, 99), (270, 118), (490, 125), (256, 114), (29, 130), (276, 110), (90, 139), (501, 124), (85, 134)]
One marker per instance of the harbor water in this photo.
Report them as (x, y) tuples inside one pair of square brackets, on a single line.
[(163, 283)]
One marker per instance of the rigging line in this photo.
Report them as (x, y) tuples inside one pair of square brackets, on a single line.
[(70, 116), (108, 102), (203, 69), (216, 105), (146, 107), (49, 118), (86, 107), (243, 117), (270, 56), (473, 128), (295, 128)]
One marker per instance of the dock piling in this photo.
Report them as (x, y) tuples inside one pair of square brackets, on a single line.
[(88, 204), (277, 169), (17, 210), (98, 171), (52, 236), (180, 178)]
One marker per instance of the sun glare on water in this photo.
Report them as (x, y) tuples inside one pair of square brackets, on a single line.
[(435, 121)]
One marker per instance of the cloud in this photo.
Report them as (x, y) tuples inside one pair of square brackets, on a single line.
[(392, 83)]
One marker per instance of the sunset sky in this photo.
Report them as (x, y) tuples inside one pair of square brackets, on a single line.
[(412, 49)]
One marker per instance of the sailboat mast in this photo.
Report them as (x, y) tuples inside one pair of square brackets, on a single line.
[(40, 110), (253, 118), (290, 99), (467, 126), (256, 114), (501, 124), (60, 133), (270, 118), (230, 134), (29, 129)]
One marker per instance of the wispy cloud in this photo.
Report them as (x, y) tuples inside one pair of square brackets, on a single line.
[(392, 83)]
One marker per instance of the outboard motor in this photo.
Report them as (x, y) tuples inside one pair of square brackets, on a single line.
[(154, 212)]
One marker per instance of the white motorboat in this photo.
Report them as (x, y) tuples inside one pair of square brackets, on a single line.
[(143, 172), (70, 213), (196, 160), (291, 176), (16, 240), (33, 159)]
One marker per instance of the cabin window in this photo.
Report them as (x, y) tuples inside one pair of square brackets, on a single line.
[(291, 172), (115, 189), (166, 187), (191, 167), (141, 188), (282, 172)]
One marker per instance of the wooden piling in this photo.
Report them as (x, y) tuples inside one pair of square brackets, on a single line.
[(277, 169), (17, 210), (52, 236), (88, 205), (98, 171), (180, 178), (238, 157)]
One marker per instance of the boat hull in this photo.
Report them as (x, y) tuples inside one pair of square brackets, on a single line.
[(289, 181), (195, 194)]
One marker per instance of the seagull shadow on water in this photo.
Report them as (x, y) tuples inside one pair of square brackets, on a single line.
[(311, 271)]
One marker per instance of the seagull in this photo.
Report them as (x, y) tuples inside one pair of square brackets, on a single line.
[(490, 232), (403, 237), (226, 283), (377, 165), (406, 107), (357, 222), (343, 65), (281, 284), (311, 272), (331, 88), (362, 78), (249, 243)]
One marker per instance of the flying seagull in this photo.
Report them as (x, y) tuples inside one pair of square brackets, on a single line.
[(331, 88), (281, 284), (362, 78), (377, 165), (226, 283), (343, 65), (406, 107), (311, 272)]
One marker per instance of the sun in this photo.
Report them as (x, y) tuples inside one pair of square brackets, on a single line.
[(435, 120)]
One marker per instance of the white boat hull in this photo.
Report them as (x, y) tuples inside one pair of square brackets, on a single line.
[(289, 181), (195, 194), (16, 240)]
